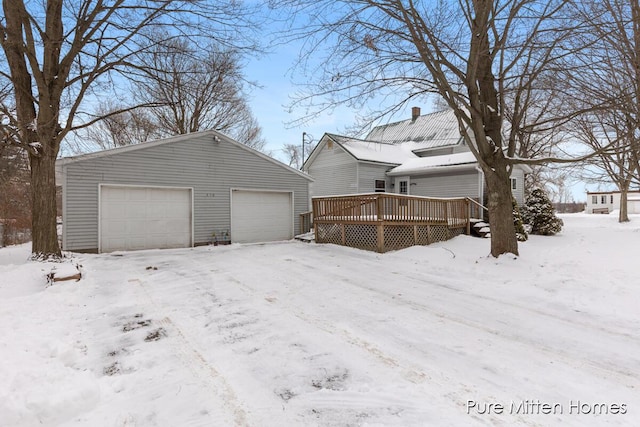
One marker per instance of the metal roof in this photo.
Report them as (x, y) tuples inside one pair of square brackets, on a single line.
[(373, 151), (419, 165), (432, 130)]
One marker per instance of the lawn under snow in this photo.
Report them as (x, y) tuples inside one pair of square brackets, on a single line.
[(296, 334)]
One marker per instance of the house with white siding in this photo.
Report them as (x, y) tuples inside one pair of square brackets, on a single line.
[(604, 202), (188, 190), (423, 156)]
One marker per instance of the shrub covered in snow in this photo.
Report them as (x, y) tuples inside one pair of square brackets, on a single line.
[(521, 233), (538, 212)]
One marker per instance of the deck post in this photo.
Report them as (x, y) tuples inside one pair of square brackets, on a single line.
[(380, 237), (446, 213), (468, 230)]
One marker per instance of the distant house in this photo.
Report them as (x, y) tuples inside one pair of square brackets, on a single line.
[(183, 191), (424, 156), (604, 202)]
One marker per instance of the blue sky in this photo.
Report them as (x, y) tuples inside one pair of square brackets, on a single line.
[(269, 103)]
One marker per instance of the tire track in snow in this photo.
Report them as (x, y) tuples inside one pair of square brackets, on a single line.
[(410, 372), (596, 366), (444, 283), (198, 365), (301, 267)]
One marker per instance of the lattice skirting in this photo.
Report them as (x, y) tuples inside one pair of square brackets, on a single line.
[(365, 236)]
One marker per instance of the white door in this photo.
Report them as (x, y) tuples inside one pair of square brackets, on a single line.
[(133, 218), (633, 206), (261, 216)]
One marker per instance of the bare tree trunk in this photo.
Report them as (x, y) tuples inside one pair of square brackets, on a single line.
[(499, 203), (486, 123), (623, 215), (43, 207)]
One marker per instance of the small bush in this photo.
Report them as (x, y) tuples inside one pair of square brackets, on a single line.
[(540, 214)]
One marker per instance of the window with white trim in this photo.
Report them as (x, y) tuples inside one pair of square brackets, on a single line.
[(594, 200), (380, 186), (404, 187), (603, 200), (514, 184)]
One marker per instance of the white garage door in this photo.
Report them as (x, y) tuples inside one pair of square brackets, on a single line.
[(633, 206), (261, 216), (133, 218)]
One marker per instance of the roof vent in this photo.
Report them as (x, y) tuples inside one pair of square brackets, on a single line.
[(415, 113)]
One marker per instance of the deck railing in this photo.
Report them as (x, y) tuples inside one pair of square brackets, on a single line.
[(477, 210), (383, 221)]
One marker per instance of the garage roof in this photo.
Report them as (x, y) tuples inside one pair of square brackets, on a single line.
[(215, 137)]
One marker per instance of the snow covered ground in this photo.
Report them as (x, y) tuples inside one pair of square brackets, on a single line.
[(296, 334)]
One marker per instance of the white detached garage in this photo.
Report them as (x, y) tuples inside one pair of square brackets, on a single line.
[(178, 192)]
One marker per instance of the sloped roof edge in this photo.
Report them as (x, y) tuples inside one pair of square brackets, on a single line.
[(178, 138), (424, 165)]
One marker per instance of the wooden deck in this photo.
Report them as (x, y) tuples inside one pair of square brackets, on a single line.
[(383, 222)]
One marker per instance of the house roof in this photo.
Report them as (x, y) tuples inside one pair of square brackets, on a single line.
[(630, 192), (400, 144), (373, 151), (432, 164), (434, 130), (213, 134)]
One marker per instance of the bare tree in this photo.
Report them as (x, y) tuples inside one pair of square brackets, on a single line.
[(248, 130), (619, 163), (193, 89), (293, 155), (59, 53), (478, 55), (613, 78), (117, 130), (540, 142)]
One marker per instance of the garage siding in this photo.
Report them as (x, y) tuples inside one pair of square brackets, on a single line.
[(210, 168)]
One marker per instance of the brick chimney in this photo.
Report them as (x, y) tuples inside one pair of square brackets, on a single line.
[(415, 113)]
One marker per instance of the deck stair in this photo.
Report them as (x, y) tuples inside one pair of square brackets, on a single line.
[(306, 237), (479, 228)]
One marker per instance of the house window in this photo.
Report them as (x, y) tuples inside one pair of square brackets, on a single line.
[(603, 200), (404, 187), (513, 184), (380, 186), (611, 199), (594, 200)]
